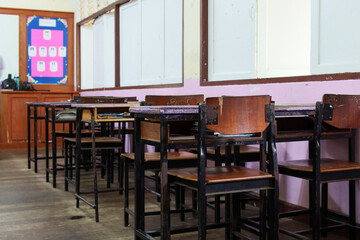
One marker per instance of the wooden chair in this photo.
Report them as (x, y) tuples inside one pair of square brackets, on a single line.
[(341, 112), (152, 159), (241, 121)]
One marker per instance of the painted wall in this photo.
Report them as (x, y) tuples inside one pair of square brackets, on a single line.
[(291, 190), (48, 5)]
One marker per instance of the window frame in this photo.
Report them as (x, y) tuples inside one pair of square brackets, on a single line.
[(116, 6), (204, 60)]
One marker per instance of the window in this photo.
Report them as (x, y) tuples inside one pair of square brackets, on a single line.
[(232, 32), (104, 51), (335, 36), (255, 39), (97, 53), (140, 44), (87, 56), (150, 42), (9, 49)]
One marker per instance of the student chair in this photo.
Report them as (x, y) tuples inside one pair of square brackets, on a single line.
[(340, 112), (241, 121)]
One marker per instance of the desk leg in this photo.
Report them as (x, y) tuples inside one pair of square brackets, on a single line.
[(165, 198), (352, 189), (35, 141), (77, 155), (54, 162), (139, 181), (201, 173), (29, 136), (47, 143), (93, 149)]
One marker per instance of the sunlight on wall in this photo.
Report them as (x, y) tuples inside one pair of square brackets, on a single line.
[(48, 5), (191, 39)]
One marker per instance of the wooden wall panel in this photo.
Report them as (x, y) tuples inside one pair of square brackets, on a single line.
[(13, 116)]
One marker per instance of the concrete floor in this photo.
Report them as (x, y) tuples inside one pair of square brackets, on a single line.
[(32, 209)]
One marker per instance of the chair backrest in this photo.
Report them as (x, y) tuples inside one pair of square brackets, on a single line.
[(240, 115), (161, 100), (103, 99), (346, 110)]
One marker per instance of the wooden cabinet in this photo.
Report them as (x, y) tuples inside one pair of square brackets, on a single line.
[(13, 115)]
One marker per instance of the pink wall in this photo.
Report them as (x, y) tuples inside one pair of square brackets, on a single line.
[(284, 93)]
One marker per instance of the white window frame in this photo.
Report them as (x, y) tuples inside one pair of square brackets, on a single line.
[(151, 53), (228, 62), (326, 54), (293, 56), (9, 49)]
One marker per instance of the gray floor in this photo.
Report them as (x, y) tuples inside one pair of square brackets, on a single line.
[(31, 209)]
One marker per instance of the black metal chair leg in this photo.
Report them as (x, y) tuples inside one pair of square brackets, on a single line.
[(157, 183), (311, 206), (182, 203), (194, 200), (47, 144), (177, 197), (71, 163), (228, 228), (29, 136), (316, 212), (352, 209), (262, 214), (324, 207), (66, 167), (54, 147), (108, 168), (120, 174), (35, 141), (126, 192)]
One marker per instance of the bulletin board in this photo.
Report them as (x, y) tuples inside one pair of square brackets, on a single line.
[(47, 50)]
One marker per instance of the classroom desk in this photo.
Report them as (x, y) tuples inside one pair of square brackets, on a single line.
[(50, 117), (95, 113), (33, 108), (165, 114), (32, 113)]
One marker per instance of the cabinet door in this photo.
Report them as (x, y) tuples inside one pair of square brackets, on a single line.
[(17, 118), (13, 117)]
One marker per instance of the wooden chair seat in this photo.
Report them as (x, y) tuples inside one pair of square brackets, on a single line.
[(85, 140), (326, 165), (155, 156), (220, 174), (67, 132)]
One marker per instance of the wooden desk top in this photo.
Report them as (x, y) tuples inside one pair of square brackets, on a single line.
[(105, 108), (104, 105), (179, 109), (50, 104), (280, 110), (293, 110)]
